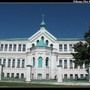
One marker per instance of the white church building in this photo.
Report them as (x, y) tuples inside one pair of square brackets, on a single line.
[(39, 57)]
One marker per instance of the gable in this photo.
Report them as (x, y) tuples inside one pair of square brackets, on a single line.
[(42, 32)]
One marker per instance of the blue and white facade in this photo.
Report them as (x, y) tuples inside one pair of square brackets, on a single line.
[(43, 52)]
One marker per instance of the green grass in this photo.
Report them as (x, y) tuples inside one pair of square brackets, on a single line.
[(32, 85)]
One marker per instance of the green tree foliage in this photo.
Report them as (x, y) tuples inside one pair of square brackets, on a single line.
[(82, 51)]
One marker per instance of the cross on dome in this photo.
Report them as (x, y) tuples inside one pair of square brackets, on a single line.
[(43, 21)]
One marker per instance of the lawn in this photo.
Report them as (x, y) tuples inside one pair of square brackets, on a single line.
[(31, 85)]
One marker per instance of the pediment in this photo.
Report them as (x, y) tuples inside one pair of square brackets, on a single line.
[(42, 32)]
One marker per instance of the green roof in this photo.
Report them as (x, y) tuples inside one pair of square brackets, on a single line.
[(41, 43)]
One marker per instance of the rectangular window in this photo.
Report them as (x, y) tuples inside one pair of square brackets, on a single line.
[(19, 47), (86, 76), (23, 63), (6, 46), (2, 74), (1, 48), (60, 47), (18, 63), (71, 76), (65, 76), (10, 47), (65, 47), (4, 62), (47, 62), (39, 76), (71, 64), (9, 62), (60, 63), (76, 76), (13, 63), (24, 47), (14, 47), (22, 75), (17, 75), (0, 61), (33, 62), (70, 47), (47, 76), (65, 64), (8, 75), (12, 75), (81, 75)]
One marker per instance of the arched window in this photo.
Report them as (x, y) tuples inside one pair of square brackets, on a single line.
[(47, 62), (37, 41), (46, 42), (42, 38), (51, 45), (33, 61), (33, 45), (22, 75), (40, 62)]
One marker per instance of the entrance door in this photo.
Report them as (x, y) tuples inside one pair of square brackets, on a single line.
[(32, 76), (39, 76), (47, 76)]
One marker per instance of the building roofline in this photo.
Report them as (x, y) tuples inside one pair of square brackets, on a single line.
[(70, 39), (14, 39), (26, 39)]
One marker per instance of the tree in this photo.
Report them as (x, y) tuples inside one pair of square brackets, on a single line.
[(82, 51)]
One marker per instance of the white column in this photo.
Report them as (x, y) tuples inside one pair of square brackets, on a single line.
[(68, 48), (0, 71), (68, 63), (21, 47), (15, 62), (28, 73), (20, 63), (52, 68), (62, 63), (11, 62), (72, 48), (17, 47), (59, 74), (6, 62)]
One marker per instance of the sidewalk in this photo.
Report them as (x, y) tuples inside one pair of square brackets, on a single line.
[(62, 83)]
